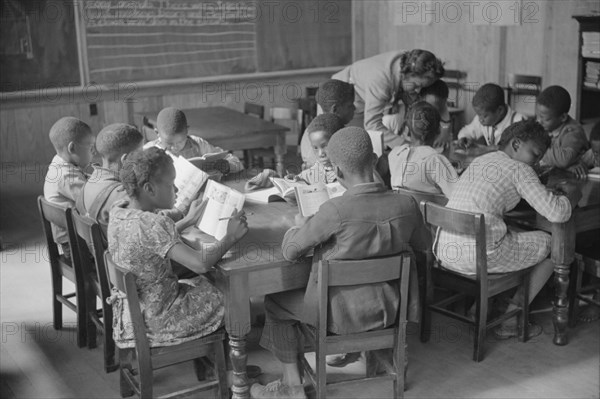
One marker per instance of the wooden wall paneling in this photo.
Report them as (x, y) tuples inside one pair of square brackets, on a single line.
[(115, 112), (9, 144), (358, 30), (28, 129)]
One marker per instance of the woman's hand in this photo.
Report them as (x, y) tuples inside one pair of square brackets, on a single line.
[(237, 226)]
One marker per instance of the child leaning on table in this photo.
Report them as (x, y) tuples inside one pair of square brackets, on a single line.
[(493, 185), (145, 242), (568, 138), (172, 130), (334, 97), (417, 165), (493, 116), (74, 142)]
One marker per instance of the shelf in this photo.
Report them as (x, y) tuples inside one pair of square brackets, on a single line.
[(590, 59), (590, 89)]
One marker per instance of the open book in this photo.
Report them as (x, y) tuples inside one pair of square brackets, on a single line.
[(594, 173), (282, 189), (222, 202), (206, 161), (310, 198), (188, 180)]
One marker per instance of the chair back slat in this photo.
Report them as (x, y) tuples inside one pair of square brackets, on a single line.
[(366, 271), (116, 274), (53, 213), (419, 196)]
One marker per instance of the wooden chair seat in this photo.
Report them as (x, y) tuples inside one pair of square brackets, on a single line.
[(207, 351), (91, 248), (481, 286), (393, 269), (61, 266)]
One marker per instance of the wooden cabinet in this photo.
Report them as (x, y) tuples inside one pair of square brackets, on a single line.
[(588, 85)]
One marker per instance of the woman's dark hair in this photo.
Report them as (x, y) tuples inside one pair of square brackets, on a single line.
[(141, 167), (421, 62), (525, 130), (423, 121)]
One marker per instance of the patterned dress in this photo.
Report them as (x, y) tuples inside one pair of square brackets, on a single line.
[(174, 311)]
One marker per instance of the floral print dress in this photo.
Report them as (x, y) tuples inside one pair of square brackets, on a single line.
[(174, 311)]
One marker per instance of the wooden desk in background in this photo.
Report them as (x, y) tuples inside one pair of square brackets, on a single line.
[(233, 130), (254, 267), (585, 217)]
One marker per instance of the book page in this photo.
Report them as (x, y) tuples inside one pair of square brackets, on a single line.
[(188, 180), (594, 173), (262, 196), (215, 156), (310, 198), (286, 188), (222, 202)]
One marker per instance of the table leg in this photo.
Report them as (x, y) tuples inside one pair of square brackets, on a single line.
[(239, 360), (563, 253), (280, 150)]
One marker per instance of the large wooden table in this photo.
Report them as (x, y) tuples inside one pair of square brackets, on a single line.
[(254, 267), (233, 130), (585, 217)]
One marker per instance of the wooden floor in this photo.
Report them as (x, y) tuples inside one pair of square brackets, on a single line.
[(38, 362)]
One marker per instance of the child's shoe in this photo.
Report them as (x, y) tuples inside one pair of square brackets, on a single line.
[(277, 389)]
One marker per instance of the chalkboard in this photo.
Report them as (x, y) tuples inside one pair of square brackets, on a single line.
[(145, 40), (38, 45)]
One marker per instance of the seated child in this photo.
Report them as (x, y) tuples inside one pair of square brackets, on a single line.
[(114, 143), (334, 97), (344, 228), (591, 158), (522, 145), (417, 165), (172, 130), (74, 142), (568, 138), (145, 243), (493, 116)]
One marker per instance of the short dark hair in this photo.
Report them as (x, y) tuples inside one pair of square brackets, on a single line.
[(421, 62), (423, 121), (525, 130), (328, 123), (489, 97), (117, 139), (595, 133), (351, 149), (556, 99), (171, 121), (439, 88), (332, 92), (141, 167), (68, 129)]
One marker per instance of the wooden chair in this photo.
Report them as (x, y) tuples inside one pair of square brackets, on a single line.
[(91, 249), (61, 266), (481, 286), (526, 87), (258, 111), (148, 131), (419, 196), (352, 272), (140, 380), (587, 258)]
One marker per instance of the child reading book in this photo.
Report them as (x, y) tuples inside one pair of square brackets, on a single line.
[(172, 130)]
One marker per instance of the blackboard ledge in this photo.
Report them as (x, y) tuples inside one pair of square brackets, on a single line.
[(82, 92)]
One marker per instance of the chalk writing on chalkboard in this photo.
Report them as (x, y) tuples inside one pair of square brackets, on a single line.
[(157, 39)]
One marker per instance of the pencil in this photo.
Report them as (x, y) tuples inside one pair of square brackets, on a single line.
[(231, 217)]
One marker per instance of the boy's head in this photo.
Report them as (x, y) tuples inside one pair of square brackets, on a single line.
[(351, 151), (423, 122), (73, 140), (319, 133), (115, 141), (552, 107), (337, 97), (525, 141), (436, 94), (172, 129), (489, 104)]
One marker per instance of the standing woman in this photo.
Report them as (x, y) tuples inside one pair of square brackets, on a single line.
[(386, 82)]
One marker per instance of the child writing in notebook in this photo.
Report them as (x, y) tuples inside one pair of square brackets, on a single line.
[(334, 97), (493, 117), (145, 242), (172, 130), (73, 142), (417, 165), (478, 190), (569, 142)]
